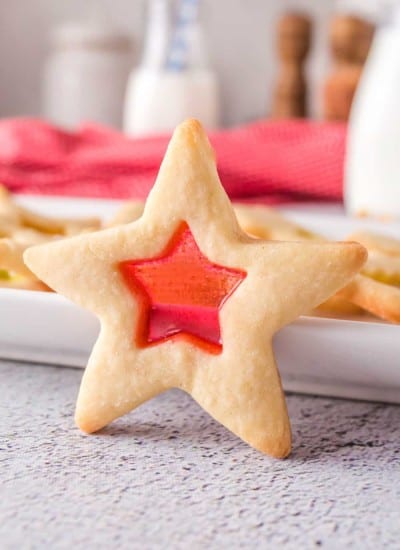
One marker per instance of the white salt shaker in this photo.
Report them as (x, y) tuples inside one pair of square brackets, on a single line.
[(372, 170), (174, 80), (86, 74)]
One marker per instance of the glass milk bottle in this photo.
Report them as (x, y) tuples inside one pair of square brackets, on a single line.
[(372, 170), (86, 74), (173, 81)]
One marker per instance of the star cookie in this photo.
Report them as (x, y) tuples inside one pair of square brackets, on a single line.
[(187, 300)]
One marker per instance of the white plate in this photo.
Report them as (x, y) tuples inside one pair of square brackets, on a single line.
[(354, 359)]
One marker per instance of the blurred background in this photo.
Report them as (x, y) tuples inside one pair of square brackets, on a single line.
[(307, 88), (240, 37)]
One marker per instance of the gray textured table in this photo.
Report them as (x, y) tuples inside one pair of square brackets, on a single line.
[(167, 476)]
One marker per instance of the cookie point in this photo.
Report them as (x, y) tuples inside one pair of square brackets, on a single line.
[(84, 425), (190, 127), (360, 252), (190, 138), (192, 124), (279, 446), (363, 252)]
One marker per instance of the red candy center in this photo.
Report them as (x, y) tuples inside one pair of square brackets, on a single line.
[(181, 293)]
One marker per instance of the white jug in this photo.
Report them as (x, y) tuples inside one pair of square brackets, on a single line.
[(372, 168)]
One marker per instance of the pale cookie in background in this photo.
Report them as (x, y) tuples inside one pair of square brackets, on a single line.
[(257, 221), (364, 295), (13, 243), (18, 217), (268, 223), (383, 263), (377, 289), (21, 228), (186, 299), (11, 257), (378, 298), (13, 271)]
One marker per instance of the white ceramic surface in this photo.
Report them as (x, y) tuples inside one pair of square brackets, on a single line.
[(355, 359), (372, 159)]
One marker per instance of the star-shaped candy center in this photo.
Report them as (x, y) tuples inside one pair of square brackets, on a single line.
[(180, 293)]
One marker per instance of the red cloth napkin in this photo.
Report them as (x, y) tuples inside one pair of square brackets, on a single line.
[(269, 161)]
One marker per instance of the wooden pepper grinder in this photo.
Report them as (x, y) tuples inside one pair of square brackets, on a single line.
[(350, 39), (294, 38)]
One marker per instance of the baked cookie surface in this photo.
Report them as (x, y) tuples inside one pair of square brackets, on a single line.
[(204, 325)]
